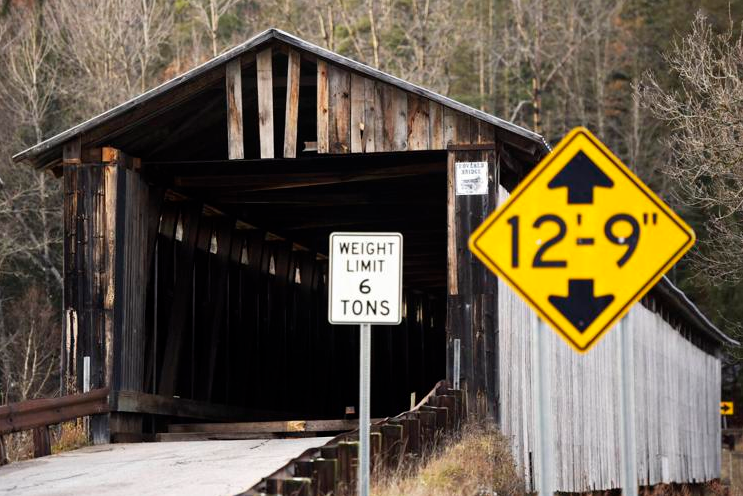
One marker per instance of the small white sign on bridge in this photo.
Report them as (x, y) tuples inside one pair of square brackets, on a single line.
[(365, 278)]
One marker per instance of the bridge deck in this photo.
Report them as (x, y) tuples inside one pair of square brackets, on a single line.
[(194, 467)]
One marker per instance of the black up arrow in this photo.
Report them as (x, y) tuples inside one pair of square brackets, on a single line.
[(580, 307), (580, 176)]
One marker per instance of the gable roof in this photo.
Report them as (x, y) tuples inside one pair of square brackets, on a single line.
[(506, 130)]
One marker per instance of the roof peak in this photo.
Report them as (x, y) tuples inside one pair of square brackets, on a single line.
[(53, 145)]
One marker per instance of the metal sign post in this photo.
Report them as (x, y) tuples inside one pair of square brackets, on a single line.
[(364, 418), (365, 288)]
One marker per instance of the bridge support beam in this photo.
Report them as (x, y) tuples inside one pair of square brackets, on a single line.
[(472, 301)]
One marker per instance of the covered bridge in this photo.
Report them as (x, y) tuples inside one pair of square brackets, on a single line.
[(196, 221)]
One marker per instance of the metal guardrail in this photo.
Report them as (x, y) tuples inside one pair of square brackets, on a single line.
[(38, 415)]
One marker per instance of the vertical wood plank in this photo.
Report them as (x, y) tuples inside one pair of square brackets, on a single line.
[(464, 129), (394, 118), (381, 95), (418, 122), (292, 105), (450, 127), (339, 110), (79, 282), (371, 109), (110, 192), (69, 338), (322, 107), (484, 131), (451, 228), (436, 126), (458, 128), (400, 119), (264, 68), (358, 114), (233, 83)]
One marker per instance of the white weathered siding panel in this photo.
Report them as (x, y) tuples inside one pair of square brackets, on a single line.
[(677, 390)]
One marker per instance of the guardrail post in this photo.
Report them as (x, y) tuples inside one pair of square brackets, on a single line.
[(325, 475), (428, 429), (391, 444), (441, 415), (414, 434), (3, 451), (375, 448), (347, 459), (450, 403), (42, 442)]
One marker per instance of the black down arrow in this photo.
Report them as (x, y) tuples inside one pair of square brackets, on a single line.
[(580, 307), (580, 176)]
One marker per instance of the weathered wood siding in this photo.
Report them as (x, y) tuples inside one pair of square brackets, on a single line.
[(471, 295), (677, 393), (359, 114), (108, 212)]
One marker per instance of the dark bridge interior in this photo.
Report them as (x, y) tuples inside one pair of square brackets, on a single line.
[(237, 307)]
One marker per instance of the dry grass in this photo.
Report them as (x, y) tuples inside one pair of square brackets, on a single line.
[(478, 463), (71, 435), (65, 437), (20, 446)]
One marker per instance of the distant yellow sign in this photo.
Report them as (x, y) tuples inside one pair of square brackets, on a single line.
[(581, 239), (726, 408)]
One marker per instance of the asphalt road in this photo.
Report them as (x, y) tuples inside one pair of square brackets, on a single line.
[(193, 467)]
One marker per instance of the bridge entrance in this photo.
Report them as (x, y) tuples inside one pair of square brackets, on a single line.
[(197, 218)]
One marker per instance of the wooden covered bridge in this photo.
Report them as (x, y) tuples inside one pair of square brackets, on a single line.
[(196, 221)]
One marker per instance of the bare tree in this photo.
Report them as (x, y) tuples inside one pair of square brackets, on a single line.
[(30, 349), (547, 38), (209, 13), (706, 153), (110, 47), (27, 214)]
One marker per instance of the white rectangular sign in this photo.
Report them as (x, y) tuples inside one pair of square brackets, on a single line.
[(365, 278), (472, 178)]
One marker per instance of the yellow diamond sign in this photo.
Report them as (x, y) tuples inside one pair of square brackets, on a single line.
[(581, 239)]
